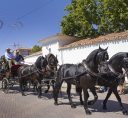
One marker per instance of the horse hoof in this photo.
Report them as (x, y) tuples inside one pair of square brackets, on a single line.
[(46, 91), (125, 112), (104, 107), (73, 106), (90, 102), (39, 96), (56, 103), (88, 112), (81, 102), (33, 90), (23, 94)]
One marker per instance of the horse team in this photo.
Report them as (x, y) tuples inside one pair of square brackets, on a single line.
[(97, 68)]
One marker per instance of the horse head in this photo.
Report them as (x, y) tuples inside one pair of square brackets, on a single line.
[(102, 55), (125, 66), (125, 63), (103, 67), (52, 61), (41, 64), (95, 58)]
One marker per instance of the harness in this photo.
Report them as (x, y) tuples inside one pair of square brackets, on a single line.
[(30, 71)]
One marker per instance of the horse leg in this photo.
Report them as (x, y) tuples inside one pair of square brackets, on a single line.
[(69, 95), (22, 88), (79, 91), (56, 92), (124, 111), (48, 86), (53, 83), (39, 88), (93, 90), (35, 88), (106, 99), (80, 94), (86, 96)]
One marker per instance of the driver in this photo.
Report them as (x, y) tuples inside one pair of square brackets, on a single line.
[(9, 57)]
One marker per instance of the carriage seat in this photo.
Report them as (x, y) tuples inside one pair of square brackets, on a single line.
[(14, 69)]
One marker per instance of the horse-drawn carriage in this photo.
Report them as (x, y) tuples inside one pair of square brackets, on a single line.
[(41, 73), (86, 74)]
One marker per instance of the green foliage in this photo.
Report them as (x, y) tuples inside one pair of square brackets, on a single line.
[(89, 18), (114, 16), (35, 48)]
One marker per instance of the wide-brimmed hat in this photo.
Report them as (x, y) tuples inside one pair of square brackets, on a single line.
[(8, 49), (17, 51)]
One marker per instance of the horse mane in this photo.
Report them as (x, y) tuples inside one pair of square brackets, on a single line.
[(49, 55), (38, 61), (126, 54), (91, 60), (115, 62)]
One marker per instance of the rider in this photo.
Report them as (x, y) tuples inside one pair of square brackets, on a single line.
[(9, 57), (18, 57)]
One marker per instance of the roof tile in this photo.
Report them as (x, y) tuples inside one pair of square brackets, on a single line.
[(103, 38)]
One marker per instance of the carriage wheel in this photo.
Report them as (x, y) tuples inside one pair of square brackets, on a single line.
[(5, 85)]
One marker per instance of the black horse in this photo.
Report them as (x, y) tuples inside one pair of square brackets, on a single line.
[(50, 75), (44, 67), (113, 70), (74, 73), (68, 73), (109, 79), (32, 73)]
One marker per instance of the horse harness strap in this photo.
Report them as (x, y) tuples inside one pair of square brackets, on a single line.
[(112, 70), (92, 73), (38, 70), (120, 75), (29, 74), (30, 71)]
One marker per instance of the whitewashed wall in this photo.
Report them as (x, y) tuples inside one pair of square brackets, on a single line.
[(31, 59), (76, 55), (46, 49), (52, 48)]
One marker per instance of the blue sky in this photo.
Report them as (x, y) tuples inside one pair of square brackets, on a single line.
[(27, 21)]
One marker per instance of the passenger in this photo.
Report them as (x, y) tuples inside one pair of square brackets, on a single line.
[(19, 58)]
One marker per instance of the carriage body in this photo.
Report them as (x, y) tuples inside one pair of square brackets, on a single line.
[(9, 78)]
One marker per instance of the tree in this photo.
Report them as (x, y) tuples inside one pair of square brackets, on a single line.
[(81, 18), (35, 48), (113, 15), (89, 18)]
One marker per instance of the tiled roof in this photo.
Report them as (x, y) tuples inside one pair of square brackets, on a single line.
[(100, 39), (58, 36), (23, 48), (34, 54)]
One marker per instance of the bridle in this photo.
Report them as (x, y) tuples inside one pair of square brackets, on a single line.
[(50, 66)]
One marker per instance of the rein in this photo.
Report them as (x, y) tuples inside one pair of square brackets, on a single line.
[(27, 74), (37, 70)]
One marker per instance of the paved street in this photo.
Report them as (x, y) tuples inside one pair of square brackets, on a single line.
[(13, 105)]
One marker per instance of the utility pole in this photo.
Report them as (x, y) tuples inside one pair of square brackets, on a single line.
[(15, 46)]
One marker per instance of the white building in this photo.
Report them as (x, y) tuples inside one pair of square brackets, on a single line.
[(30, 59), (77, 51), (72, 50), (54, 43)]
